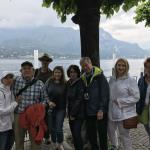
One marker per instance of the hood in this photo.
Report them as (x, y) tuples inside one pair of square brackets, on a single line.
[(97, 71)]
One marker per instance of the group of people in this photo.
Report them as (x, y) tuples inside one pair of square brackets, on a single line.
[(86, 98)]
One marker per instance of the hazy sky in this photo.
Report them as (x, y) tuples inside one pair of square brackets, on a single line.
[(21, 13)]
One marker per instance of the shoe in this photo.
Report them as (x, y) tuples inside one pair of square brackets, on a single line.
[(54, 146), (47, 141), (60, 146)]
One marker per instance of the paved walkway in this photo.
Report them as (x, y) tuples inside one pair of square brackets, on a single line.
[(139, 139)]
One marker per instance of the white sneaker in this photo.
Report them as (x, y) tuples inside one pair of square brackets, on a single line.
[(60, 146)]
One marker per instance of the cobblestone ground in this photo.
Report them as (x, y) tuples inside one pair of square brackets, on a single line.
[(138, 136)]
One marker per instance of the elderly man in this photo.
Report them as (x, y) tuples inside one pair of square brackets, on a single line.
[(96, 103), (34, 93)]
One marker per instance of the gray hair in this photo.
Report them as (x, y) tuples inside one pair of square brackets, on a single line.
[(87, 59)]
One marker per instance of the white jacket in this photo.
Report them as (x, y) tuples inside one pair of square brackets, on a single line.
[(124, 94), (7, 106)]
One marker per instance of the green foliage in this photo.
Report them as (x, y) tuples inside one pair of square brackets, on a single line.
[(108, 7), (62, 7), (143, 13)]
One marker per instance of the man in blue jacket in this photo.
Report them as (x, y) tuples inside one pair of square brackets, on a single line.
[(96, 98)]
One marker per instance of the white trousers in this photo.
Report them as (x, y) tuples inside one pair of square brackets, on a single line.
[(115, 128)]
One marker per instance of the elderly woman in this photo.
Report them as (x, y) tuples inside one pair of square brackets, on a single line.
[(124, 94), (7, 106), (144, 87)]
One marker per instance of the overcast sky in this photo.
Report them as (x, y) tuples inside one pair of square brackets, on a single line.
[(22, 13)]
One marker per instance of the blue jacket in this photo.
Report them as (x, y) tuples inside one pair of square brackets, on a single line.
[(143, 89)]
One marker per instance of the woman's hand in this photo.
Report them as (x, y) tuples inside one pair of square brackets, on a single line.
[(51, 104), (18, 99)]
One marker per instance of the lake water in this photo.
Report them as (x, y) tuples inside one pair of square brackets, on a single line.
[(13, 65)]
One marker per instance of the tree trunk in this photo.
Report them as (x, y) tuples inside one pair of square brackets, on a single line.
[(88, 18)]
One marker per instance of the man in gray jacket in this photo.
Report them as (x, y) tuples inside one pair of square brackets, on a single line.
[(96, 98)]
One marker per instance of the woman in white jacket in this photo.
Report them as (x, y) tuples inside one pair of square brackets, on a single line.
[(7, 106), (124, 94)]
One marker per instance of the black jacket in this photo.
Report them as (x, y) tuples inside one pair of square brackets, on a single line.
[(98, 91), (75, 100), (56, 93), (143, 89)]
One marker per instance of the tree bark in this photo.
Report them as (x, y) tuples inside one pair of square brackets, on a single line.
[(88, 18)]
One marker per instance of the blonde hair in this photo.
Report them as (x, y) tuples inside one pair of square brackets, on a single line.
[(126, 64)]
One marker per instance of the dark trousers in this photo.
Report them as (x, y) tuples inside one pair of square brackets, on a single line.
[(57, 121), (147, 128), (6, 140), (97, 127), (47, 133), (75, 127)]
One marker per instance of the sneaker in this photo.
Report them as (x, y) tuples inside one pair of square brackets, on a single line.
[(60, 147), (54, 146)]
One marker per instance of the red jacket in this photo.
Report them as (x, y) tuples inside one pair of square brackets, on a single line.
[(33, 120)]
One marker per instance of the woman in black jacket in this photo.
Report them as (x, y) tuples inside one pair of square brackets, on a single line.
[(75, 90)]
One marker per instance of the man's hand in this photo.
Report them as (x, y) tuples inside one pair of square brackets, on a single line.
[(72, 118), (100, 115), (115, 101)]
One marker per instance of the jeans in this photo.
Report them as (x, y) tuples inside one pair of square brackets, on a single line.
[(6, 140), (57, 120), (95, 126), (75, 126)]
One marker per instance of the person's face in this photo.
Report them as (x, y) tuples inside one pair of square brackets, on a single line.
[(27, 72), (147, 69), (73, 74), (8, 81), (86, 66), (121, 68), (45, 63), (57, 74)]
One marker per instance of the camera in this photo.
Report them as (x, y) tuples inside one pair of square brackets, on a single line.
[(86, 96)]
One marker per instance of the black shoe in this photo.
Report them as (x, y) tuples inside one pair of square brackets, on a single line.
[(47, 142)]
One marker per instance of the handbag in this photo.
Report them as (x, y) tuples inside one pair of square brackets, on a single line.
[(130, 123), (144, 117)]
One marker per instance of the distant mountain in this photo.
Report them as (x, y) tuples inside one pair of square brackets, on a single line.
[(60, 41)]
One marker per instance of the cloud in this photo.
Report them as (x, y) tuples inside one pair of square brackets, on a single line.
[(22, 13), (122, 26)]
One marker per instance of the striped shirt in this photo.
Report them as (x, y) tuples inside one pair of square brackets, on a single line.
[(33, 94)]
